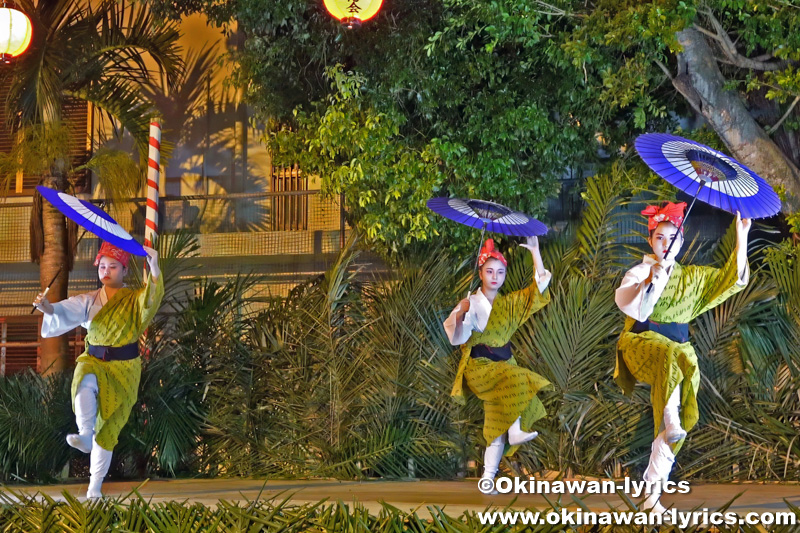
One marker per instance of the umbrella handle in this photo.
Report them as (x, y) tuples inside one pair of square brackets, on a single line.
[(477, 258), (680, 226), (58, 272)]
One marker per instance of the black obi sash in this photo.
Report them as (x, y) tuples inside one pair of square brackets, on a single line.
[(674, 331), (502, 353), (114, 353)]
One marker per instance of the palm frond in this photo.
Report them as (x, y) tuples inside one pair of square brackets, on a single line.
[(96, 52), (597, 235), (178, 107), (35, 416), (121, 100), (117, 173)]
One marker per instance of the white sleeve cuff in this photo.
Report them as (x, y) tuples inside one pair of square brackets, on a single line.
[(742, 268), (542, 282), (632, 297), (466, 326)]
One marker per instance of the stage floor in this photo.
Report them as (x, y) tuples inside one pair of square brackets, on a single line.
[(454, 496)]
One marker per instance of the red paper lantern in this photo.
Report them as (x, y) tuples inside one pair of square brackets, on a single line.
[(352, 13), (15, 33)]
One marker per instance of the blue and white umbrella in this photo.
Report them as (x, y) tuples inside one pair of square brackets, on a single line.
[(93, 219), (487, 216), (709, 175)]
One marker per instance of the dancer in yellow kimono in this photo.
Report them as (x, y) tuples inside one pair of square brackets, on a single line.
[(654, 346), (483, 325), (105, 384)]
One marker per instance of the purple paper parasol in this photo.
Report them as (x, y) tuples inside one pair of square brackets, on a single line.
[(487, 216), (711, 176), (93, 219)]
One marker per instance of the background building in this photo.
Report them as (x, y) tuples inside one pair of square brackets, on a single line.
[(217, 182)]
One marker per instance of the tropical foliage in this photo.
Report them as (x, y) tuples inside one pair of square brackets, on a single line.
[(349, 376), (498, 99), (94, 52), (34, 451), (44, 513)]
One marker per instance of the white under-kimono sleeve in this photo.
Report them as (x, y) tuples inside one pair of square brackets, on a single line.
[(67, 315), (467, 326), (632, 297), (474, 320), (742, 267)]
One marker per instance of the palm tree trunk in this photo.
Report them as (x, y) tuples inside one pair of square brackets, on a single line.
[(701, 82), (54, 351)]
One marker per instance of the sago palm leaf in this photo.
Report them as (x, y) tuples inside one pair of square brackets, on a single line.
[(597, 235), (571, 334), (734, 334), (35, 416)]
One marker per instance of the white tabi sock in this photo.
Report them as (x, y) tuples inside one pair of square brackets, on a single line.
[(85, 414), (516, 436), (492, 457), (99, 463), (657, 472), (651, 503), (672, 419)]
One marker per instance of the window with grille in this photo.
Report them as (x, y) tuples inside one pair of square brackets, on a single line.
[(75, 114), (290, 208), (19, 343)]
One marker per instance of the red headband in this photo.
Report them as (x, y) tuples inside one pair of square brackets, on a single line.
[(109, 250), (489, 251), (671, 212)]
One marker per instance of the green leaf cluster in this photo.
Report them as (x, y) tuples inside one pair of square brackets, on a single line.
[(492, 99)]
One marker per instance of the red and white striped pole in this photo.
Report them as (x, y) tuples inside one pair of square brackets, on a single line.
[(151, 214), (153, 170)]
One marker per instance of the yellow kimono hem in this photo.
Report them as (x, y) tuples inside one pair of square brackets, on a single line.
[(121, 321)]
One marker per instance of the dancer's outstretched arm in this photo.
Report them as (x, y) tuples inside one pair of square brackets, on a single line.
[(150, 296), (541, 275), (708, 287)]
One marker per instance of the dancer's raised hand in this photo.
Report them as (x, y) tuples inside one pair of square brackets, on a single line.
[(743, 226), (152, 261), (43, 304), (464, 308), (532, 241)]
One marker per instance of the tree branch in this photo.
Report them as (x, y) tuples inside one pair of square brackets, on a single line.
[(553, 9), (763, 57), (664, 68), (777, 125), (726, 112), (731, 53), (707, 33)]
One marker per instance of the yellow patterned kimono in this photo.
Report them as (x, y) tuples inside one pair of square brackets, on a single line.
[(662, 363), (507, 390), (121, 321)]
